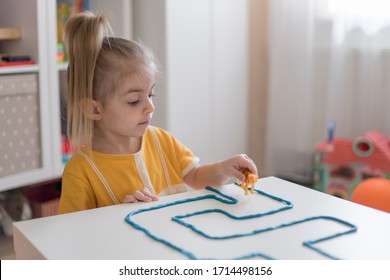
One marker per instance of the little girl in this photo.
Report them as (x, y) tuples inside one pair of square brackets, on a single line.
[(118, 156)]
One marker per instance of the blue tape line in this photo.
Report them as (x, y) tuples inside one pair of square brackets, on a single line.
[(231, 200)]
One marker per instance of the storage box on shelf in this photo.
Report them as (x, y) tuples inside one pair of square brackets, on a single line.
[(44, 198), (20, 148), (9, 33)]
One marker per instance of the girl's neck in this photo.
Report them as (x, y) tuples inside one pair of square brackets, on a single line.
[(113, 146)]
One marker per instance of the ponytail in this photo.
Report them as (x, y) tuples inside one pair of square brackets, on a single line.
[(83, 37)]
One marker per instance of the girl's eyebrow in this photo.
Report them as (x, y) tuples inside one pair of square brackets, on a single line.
[(130, 91)]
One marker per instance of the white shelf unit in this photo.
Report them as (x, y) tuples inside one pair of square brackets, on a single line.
[(37, 20)]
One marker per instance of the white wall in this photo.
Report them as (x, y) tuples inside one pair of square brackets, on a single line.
[(149, 28), (202, 46), (118, 13)]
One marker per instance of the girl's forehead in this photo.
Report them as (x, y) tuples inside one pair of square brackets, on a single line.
[(123, 75), (136, 81), (137, 66), (138, 77)]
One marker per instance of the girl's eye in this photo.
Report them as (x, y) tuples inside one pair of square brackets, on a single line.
[(133, 102)]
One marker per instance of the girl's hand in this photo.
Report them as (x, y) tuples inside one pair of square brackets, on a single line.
[(235, 166), (219, 173), (140, 196)]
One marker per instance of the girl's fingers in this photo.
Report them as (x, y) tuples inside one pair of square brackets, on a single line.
[(235, 173), (141, 196), (129, 199), (247, 163), (147, 193)]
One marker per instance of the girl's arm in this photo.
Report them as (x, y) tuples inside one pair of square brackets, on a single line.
[(220, 172)]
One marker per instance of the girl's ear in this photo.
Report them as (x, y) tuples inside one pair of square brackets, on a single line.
[(91, 108)]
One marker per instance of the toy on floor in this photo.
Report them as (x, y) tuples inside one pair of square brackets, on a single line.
[(250, 180), (14, 206)]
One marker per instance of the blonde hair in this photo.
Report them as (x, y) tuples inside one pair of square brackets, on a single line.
[(96, 60)]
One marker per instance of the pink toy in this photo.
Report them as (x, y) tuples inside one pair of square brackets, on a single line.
[(341, 164)]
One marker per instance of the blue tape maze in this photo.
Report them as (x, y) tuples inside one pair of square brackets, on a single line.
[(216, 238)]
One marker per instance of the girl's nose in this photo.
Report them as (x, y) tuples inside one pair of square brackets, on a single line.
[(149, 106)]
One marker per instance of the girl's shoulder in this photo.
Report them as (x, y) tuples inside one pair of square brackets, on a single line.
[(159, 133), (75, 162), (165, 138), (81, 160)]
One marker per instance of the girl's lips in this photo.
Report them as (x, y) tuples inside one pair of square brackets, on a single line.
[(145, 123)]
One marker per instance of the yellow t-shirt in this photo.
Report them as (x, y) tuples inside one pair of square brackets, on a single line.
[(97, 180)]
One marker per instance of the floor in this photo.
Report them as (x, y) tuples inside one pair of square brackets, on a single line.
[(7, 248)]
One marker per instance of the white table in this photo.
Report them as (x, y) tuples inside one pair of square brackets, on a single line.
[(103, 233)]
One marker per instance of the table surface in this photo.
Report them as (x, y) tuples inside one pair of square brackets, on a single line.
[(281, 220)]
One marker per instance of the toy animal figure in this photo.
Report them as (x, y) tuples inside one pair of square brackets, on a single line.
[(14, 206), (250, 180)]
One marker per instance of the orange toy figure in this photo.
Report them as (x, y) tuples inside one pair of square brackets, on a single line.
[(250, 180)]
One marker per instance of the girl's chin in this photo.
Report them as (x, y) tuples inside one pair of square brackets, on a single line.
[(141, 129)]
